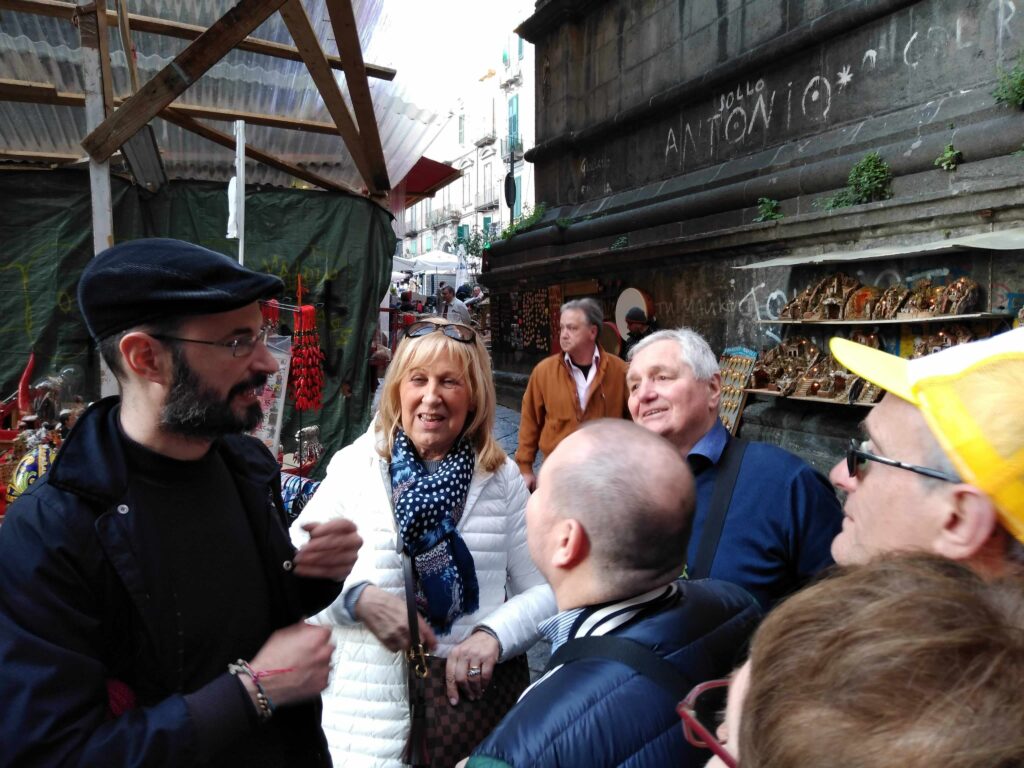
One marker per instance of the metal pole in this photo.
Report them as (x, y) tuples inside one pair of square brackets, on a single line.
[(240, 187)]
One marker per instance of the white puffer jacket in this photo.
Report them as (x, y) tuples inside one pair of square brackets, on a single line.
[(366, 708)]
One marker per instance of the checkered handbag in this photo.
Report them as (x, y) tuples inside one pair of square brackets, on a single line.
[(440, 735), (447, 734)]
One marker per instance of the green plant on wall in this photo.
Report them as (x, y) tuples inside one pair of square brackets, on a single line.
[(949, 159), (870, 179), (767, 209), (1009, 89), (524, 222)]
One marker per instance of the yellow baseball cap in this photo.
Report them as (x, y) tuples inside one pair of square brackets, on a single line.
[(972, 396)]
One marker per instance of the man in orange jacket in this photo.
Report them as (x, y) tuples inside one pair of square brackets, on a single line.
[(567, 389)]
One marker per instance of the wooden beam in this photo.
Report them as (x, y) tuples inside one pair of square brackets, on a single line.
[(38, 93), (346, 34), (297, 21), (64, 10), (44, 93), (126, 43), (100, 198), (38, 157), (226, 140), (187, 67), (103, 46), (255, 118)]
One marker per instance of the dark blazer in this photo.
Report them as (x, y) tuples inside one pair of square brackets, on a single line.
[(75, 612), (597, 712)]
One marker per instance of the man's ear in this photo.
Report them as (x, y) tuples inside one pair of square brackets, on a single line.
[(144, 356), (969, 523), (714, 391), (572, 545)]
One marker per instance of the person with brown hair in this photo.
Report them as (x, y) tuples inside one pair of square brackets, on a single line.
[(907, 661), (580, 383)]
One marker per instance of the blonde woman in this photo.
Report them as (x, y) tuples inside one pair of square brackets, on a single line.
[(430, 469)]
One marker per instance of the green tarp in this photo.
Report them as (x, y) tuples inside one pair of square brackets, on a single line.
[(341, 245)]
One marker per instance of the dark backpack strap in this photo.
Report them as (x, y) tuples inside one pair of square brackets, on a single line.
[(725, 483), (637, 657)]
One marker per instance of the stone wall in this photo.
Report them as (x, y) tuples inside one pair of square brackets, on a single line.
[(661, 123)]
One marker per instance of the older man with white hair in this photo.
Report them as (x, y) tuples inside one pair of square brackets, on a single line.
[(941, 465), (765, 519)]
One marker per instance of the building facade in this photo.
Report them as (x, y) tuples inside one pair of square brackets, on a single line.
[(486, 140)]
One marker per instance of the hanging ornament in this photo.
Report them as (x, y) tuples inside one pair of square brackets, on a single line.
[(307, 376), (271, 315)]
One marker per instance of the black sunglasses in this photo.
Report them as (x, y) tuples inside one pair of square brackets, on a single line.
[(455, 331), (857, 458)]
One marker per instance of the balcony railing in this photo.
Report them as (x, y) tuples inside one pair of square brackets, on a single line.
[(438, 217), (413, 225), (513, 145), (487, 200), (511, 76), (485, 138)]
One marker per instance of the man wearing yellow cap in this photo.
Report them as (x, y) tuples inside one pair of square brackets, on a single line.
[(942, 465)]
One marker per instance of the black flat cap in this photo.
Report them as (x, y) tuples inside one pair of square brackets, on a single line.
[(144, 280), (636, 315)]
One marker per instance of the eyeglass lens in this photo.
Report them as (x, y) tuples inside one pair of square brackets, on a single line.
[(709, 708), (245, 347)]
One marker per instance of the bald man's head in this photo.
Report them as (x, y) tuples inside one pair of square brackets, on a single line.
[(633, 494)]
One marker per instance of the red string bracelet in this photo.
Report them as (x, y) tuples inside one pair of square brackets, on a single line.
[(258, 675)]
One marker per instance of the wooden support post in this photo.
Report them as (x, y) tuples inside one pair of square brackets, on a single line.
[(226, 140), (346, 35), (176, 77), (103, 47), (124, 26), (99, 170), (302, 33)]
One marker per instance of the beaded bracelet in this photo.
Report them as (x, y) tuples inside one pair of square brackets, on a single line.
[(264, 706)]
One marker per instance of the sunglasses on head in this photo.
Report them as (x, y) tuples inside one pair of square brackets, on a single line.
[(454, 331)]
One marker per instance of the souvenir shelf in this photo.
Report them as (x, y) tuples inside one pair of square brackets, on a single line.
[(800, 368), (806, 398), (897, 320)]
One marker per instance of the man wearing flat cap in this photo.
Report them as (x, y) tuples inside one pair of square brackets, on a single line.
[(639, 328), (940, 465), (151, 603)]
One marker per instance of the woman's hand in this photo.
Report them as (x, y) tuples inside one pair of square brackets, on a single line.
[(387, 617), (470, 666)]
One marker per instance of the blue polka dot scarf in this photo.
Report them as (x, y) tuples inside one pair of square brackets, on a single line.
[(427, 508)]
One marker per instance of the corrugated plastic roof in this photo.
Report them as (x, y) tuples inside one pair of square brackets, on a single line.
[(44, 49)]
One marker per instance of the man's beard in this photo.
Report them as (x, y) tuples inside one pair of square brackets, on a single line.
[(193, 410)]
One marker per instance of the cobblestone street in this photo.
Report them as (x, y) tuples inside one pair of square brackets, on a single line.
[(506, 430)]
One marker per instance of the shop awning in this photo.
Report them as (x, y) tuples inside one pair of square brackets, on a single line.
[(1004, 240), (425, 178)]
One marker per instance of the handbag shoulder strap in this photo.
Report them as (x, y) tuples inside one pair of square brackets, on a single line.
[(638, 657), (407, 575), (725, 484)]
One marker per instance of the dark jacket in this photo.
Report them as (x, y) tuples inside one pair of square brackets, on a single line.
[(597, 712), (76, 612)]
